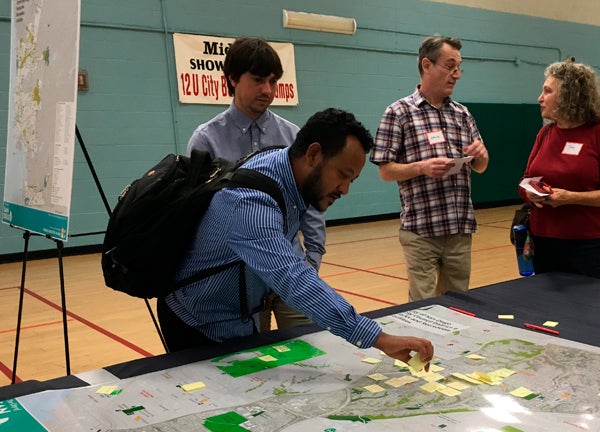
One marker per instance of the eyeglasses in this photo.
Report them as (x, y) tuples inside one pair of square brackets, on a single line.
[(450, 69)]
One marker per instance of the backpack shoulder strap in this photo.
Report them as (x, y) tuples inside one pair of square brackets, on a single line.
[(252, 179), (249, 178)]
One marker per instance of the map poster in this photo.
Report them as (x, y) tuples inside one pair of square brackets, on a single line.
[(42, 105), (484, 377), (200, 79)]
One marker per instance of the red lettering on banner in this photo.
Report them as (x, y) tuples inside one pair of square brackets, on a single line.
[(285, 91), (189, 84), (224, 89), (210, 86)]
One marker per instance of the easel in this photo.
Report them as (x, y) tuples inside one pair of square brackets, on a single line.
[(59, 245)]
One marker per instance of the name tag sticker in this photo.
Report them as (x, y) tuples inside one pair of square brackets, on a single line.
[(436, 137), (572, 148)]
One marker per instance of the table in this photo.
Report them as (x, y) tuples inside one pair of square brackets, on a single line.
[(572, 300)]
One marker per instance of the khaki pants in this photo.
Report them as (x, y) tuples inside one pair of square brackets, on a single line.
[(284, 314), (436, 265)]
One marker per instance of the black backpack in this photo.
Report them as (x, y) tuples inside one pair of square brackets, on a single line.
[(156, 215)]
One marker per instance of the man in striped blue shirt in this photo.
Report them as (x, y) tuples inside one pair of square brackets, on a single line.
[(252, 68), (245, 224)]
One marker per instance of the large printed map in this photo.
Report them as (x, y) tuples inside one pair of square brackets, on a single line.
[(41, 119), (485, 377)]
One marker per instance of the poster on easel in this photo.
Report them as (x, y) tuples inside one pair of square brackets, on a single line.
[(42, 106)]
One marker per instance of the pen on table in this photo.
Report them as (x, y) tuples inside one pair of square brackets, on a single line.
[(540, 328), (461, 311)]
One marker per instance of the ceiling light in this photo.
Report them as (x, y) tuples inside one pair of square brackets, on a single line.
[(318, 22)]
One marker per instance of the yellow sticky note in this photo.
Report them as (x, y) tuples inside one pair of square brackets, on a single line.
[(430, 387), (400, 381), (486, 378), (267, 358), (550, 323), (475, 357), (435, 368), (432, 376), (504, 372), (281, 348), (457, 385), (521, 392), (106, 389), (400, 363), (377, 377), (374, 388), (506, 317), (193, 386), (396, 382), (371, 360), (466, 378), (416, 363), (448, 391)]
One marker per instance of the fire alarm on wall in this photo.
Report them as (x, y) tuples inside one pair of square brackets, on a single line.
[(82, 80)]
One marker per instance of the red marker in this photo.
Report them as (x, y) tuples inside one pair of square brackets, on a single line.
[(540, 328), (461, 311)]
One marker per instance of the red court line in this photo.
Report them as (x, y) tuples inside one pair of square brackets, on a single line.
[(354, 270), (359, 240), (92, 325), (33, 326), (363, 271), (366, 297), (492, 248), (8, 372), (487, 225)]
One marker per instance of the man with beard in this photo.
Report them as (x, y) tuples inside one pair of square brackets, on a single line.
[(252, 68), (245, 224)]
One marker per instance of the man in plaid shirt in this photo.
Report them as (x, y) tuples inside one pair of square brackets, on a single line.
[(418, 139)]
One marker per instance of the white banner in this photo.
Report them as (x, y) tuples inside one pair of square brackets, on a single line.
[(200, 79)]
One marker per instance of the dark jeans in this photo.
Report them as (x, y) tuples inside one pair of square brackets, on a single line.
[(178, 335), (567, 255)]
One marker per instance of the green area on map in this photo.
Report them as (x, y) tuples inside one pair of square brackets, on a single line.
[(269, 357), (226, 422)]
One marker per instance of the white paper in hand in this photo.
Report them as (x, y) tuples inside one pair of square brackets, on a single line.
[(525, 184), (457, 164)]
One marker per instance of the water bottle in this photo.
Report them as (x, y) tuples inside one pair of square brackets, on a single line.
[(524, 261)]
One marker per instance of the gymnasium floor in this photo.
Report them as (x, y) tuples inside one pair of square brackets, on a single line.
[(364, 263)]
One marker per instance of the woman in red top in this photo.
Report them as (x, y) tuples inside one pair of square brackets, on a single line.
[(565, 224)]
